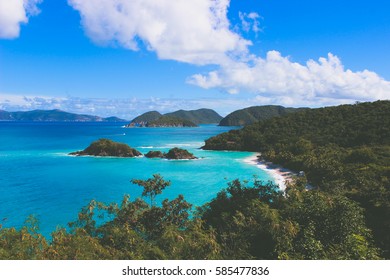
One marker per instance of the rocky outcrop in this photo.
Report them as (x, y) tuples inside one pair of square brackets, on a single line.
[(175, 153), (155, 154), (108, 148)]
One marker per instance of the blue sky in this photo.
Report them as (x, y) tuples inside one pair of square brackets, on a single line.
[(126, 57)]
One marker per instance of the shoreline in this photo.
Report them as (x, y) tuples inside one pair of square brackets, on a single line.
[(282, 176)]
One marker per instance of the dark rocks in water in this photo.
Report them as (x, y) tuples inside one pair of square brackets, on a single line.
[(108, 148), (155, 154), (177, 153)]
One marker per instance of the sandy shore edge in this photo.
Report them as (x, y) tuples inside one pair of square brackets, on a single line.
[(280, 175)]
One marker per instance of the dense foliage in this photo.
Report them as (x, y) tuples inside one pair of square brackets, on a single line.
[(168, 121), (254, 114), (190, 118), (147, 117), (242, 222), (343, 149), (200, 116)]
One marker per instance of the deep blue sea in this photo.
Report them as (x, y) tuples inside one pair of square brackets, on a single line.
[(38, 177)]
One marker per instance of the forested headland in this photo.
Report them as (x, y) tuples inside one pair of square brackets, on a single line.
[(343, 150)]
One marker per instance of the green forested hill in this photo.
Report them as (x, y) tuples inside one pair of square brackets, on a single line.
[(187, 118), (343, 149), (346, 126), (200, 116), (147, 117), (168, 121), (254, 114)]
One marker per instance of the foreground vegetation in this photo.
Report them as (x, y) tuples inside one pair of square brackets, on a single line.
[(244, 221)]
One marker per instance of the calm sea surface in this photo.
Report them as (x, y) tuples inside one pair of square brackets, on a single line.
[(38, 177)]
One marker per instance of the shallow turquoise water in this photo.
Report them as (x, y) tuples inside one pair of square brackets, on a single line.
[(38, 177)]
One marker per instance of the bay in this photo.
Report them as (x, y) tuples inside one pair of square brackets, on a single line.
[(38, 177)]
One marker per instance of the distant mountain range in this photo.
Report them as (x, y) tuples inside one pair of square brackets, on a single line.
[(179, 118), (53, 116), (256, 113)]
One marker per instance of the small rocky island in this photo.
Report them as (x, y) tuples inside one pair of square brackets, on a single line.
[(155, 154), (175, 153), (108, 148)]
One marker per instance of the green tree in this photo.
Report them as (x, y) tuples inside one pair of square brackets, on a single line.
[(23, 244), (152, 186), (245, 220)]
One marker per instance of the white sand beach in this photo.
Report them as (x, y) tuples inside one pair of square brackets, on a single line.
[(281, 175)]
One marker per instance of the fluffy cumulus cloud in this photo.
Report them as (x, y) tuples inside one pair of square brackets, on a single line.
[(278, 79), (195, 32), (13, 13), (199, 32)]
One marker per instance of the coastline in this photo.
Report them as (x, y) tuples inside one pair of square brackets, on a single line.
[(281, 176)]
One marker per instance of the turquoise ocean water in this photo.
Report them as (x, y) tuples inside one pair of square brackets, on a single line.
[(38, 177)]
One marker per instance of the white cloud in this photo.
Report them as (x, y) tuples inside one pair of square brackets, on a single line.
[(250, 22), (13, 13), (285, 82), (199, 32), (195, 32)]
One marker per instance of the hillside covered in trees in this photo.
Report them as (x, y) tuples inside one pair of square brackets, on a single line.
[(169, 121), (176, 119), (254, 114), (200, 116), (343, 149), (147, 117)]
